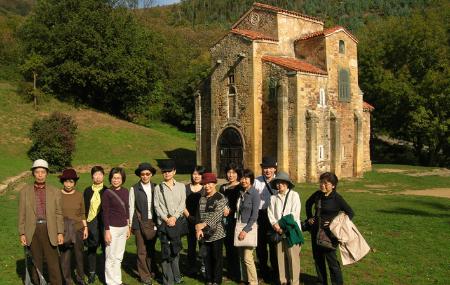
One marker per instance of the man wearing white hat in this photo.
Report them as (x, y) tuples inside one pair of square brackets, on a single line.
[(41, 222)]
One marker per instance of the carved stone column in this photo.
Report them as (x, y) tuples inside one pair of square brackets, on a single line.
[(311, 156), (283, 134)]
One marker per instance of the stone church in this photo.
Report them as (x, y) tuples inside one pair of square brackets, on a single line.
[(281, 85)]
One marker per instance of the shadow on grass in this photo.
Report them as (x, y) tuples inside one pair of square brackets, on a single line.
[(184, 159), (434, 205), (308, 279), (413, 212), (129, 264), (20, 269)]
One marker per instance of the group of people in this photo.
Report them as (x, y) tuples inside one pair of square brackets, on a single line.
[(244, 215)]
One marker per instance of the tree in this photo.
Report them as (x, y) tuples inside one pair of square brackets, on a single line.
[(405, 73), (33, 65), (53, 139), (94, 53)]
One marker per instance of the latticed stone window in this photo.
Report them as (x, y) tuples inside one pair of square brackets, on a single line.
[(344, 85), (341, 46), (273, 89)]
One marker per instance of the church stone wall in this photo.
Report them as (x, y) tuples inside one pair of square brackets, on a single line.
[(261, 21), (346, 110), (228, 51), (312, 51)]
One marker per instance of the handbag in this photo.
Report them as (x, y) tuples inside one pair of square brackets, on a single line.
[(251, 238), (147, 227), (69, 232), (272, 235), (322, 238)]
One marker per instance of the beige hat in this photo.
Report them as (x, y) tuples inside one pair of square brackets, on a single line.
[(40, 163)]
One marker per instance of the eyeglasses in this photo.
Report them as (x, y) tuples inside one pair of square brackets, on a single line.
[(146, 173)]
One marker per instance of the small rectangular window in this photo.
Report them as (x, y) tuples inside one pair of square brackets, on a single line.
[(321, 152), (322, 98)]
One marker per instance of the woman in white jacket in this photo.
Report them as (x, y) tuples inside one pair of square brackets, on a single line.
[(285, 202)]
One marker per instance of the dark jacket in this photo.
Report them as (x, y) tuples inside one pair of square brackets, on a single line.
[(141, 204), (331, 206), (87, 196)]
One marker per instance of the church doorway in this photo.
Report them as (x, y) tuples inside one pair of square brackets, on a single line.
[(230, 149)]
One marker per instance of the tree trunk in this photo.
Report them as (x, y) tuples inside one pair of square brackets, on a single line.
[(34, 90)]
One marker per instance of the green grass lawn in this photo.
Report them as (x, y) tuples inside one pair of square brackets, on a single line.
[(409, 234), (101, 138)]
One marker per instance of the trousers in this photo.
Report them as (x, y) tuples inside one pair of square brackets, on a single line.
[(114, 255), (41, 249)]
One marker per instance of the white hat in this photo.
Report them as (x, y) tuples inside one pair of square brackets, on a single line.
[(40, 163)]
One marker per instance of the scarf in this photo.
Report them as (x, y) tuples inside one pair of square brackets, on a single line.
[(95, 202)]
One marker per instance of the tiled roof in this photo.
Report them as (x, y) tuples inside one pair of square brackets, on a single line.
[(279, 10), (294, 64), (253, 35), (368, 107), (328, 32)]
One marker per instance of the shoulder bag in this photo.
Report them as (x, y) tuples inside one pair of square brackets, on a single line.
[(251, 238)]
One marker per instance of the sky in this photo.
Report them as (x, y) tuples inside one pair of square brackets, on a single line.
[(165, 2)]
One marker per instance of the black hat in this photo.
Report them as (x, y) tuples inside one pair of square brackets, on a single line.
[(282, 176), (144, 166), (268, 161), (167, 165)]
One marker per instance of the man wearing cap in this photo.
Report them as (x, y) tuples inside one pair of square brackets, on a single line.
[(41, 222), (262, 185), (142, 210), (170, 202)]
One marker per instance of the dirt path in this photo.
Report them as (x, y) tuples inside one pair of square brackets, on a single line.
[(434, 192), (11, 180)]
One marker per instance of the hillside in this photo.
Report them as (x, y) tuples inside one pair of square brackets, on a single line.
[(102, 139)]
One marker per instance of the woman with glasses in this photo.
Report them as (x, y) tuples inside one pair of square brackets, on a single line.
[(142, 210)]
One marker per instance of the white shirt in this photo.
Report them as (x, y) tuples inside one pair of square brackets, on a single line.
[(148, 191), (293, 206), (264, 193)]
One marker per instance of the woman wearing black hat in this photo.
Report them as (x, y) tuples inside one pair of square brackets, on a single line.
[(142, 215), (75, 227)]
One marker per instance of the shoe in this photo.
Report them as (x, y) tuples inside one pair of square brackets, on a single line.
[(91, 278), (147, 282)]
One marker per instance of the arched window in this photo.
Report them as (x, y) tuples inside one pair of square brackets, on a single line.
[(341, 46), (344, 85), (232, 101)]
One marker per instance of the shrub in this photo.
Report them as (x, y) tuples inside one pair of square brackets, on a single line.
[(53, 139)]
